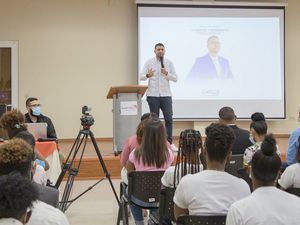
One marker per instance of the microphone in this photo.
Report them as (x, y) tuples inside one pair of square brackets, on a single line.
[(162, 62)]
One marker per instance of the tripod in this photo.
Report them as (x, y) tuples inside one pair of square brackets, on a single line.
[(73, 170)]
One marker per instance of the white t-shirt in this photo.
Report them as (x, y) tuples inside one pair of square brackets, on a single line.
[(266, 205), (209, 192), (168, 178), (10, 221), (44, 214), (290, 177)]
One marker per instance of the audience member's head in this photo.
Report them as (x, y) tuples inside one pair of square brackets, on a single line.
[(218, 144), (153, 149), (13, 122), (265, 163), (16, 156), (147, 115), (140, 127), (16, 197), (33, 106), (188, 158), (226, 115), (27, 137), (258, 126)]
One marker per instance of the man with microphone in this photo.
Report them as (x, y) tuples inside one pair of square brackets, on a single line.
[(159, 71)]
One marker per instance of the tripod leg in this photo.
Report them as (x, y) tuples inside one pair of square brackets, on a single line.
[(103, 165), (66, 195), (68, 164), (73, 172)]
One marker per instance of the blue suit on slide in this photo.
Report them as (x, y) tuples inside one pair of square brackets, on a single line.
[(204, 68)]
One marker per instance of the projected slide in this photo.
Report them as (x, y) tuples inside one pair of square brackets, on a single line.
[(225, 56)]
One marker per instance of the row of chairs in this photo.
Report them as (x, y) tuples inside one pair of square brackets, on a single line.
[(146, 187)]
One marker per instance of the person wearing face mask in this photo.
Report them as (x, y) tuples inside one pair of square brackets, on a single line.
[(34, 115)]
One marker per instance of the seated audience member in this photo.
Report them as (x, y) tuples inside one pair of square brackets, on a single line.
[(293, 146), (17, 195), (13, 123), (291, 176), (34, 115), (152, 155), (258, 131), (135, 140), (267, 204), (242, 141), (40, 164), (212, 191), (17, 156), (188, 158)]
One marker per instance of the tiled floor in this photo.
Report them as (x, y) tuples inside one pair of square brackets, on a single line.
[(98, 206)]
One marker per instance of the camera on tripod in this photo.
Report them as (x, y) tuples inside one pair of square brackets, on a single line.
[(86, 119)]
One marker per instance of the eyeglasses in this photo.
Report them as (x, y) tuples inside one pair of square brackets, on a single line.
[(36, 105)]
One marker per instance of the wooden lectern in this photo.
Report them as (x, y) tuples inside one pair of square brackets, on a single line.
[(127, 112)]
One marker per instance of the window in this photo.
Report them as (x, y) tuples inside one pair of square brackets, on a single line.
[(9, 73)]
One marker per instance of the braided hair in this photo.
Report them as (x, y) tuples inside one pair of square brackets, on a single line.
[(188, 158)]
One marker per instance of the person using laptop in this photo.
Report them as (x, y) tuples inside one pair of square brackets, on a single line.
[(34, 115)]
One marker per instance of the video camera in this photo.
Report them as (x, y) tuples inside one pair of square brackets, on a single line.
[(86, 119)]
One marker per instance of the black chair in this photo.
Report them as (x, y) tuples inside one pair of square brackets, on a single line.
[(166, 207), (202, 220), (294, 191), (143, 186), (234, 164)]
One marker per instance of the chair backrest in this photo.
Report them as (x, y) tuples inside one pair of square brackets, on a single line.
[(234, 164), (202, 220), (294, 191), (166, 204), (145, 185)]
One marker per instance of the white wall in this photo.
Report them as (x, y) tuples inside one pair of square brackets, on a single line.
[(72, 51)]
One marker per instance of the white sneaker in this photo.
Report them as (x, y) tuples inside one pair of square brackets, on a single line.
[(174, 148)]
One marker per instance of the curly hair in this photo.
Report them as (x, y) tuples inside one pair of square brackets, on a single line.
[(16, 155), (16, 195), (219, 141), (188, 158), (13, 122)]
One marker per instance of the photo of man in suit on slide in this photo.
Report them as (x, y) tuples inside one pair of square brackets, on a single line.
[(211, 65)]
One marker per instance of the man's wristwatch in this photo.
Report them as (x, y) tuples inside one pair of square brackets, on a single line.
[(147, 75)]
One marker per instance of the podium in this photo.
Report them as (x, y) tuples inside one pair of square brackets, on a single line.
[(127, 112)]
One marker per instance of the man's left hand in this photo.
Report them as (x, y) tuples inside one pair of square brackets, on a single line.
[(164, 71)]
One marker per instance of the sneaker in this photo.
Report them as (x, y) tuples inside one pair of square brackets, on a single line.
[(174, 148)]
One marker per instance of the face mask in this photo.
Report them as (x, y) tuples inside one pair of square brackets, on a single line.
[(36, 111)]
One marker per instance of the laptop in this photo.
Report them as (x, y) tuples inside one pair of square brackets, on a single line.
[(38, 130)]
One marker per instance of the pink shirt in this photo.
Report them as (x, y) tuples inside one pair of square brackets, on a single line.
[(139, 166), (130, 145)]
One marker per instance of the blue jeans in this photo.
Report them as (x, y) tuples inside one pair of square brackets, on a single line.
[(166, 106)]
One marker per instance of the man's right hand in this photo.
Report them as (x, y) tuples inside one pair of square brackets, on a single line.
[(150, 73)]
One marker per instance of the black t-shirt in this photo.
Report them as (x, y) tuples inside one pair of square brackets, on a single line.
[(43, 119)]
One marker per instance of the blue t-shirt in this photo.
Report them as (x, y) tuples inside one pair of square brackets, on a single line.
[(293, 147)]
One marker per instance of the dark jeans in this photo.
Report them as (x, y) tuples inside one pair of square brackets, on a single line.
[(165, 104)]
